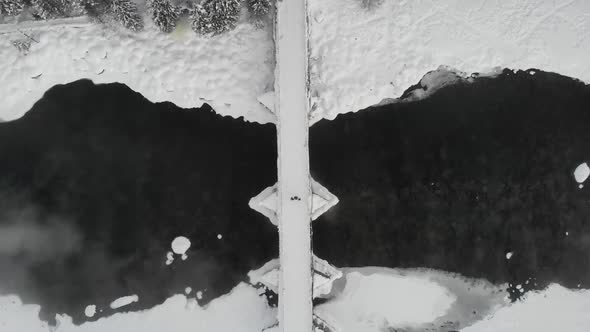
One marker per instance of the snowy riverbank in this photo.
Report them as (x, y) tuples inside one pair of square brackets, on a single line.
[(360, 57), (368, 300), (229, 71)]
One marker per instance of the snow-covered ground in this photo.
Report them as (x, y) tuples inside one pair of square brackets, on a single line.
[(554, 309), (365, 300), (243, 310), (360, 57), (228, 71)]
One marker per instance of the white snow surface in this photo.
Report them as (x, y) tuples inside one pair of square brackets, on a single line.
[(124, 301), (582, 172), (240, 311), (228, 71), (378, 299), (554, 309), (360, 57)]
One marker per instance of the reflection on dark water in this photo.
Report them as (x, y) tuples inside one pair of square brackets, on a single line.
[(461, 179), (95, 183)]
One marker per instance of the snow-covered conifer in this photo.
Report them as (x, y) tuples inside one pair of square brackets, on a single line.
[(259, 8), (49, 9), (126, 13), (216, 16), (11, 7), (96, 9), (164, 14)]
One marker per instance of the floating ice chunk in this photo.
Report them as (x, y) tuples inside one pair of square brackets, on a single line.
[(188, 290), (582, 172), (123, 301), (200, 295), (90, 310), (183, 257), (169, 258), (509, 255), (219, 236), (180, 245)]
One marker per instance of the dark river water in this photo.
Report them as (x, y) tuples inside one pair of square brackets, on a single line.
[(96, 181), (460, 179)]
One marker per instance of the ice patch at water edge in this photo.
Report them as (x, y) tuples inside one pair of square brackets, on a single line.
[(90, 311), (124, 301), (169, 258), (375, 298)]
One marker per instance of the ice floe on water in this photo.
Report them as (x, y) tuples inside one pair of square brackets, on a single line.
[(180, 245), (124, 301), (582, 172), (90, 311)]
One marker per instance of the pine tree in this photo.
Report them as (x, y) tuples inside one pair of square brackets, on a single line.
[(259, 8), (216, 16), (125, 12), (50, 9), (11, 7), (96, 9), (164, 14)]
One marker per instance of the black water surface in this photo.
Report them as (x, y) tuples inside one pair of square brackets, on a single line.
[(458, 180), (95, 183)]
